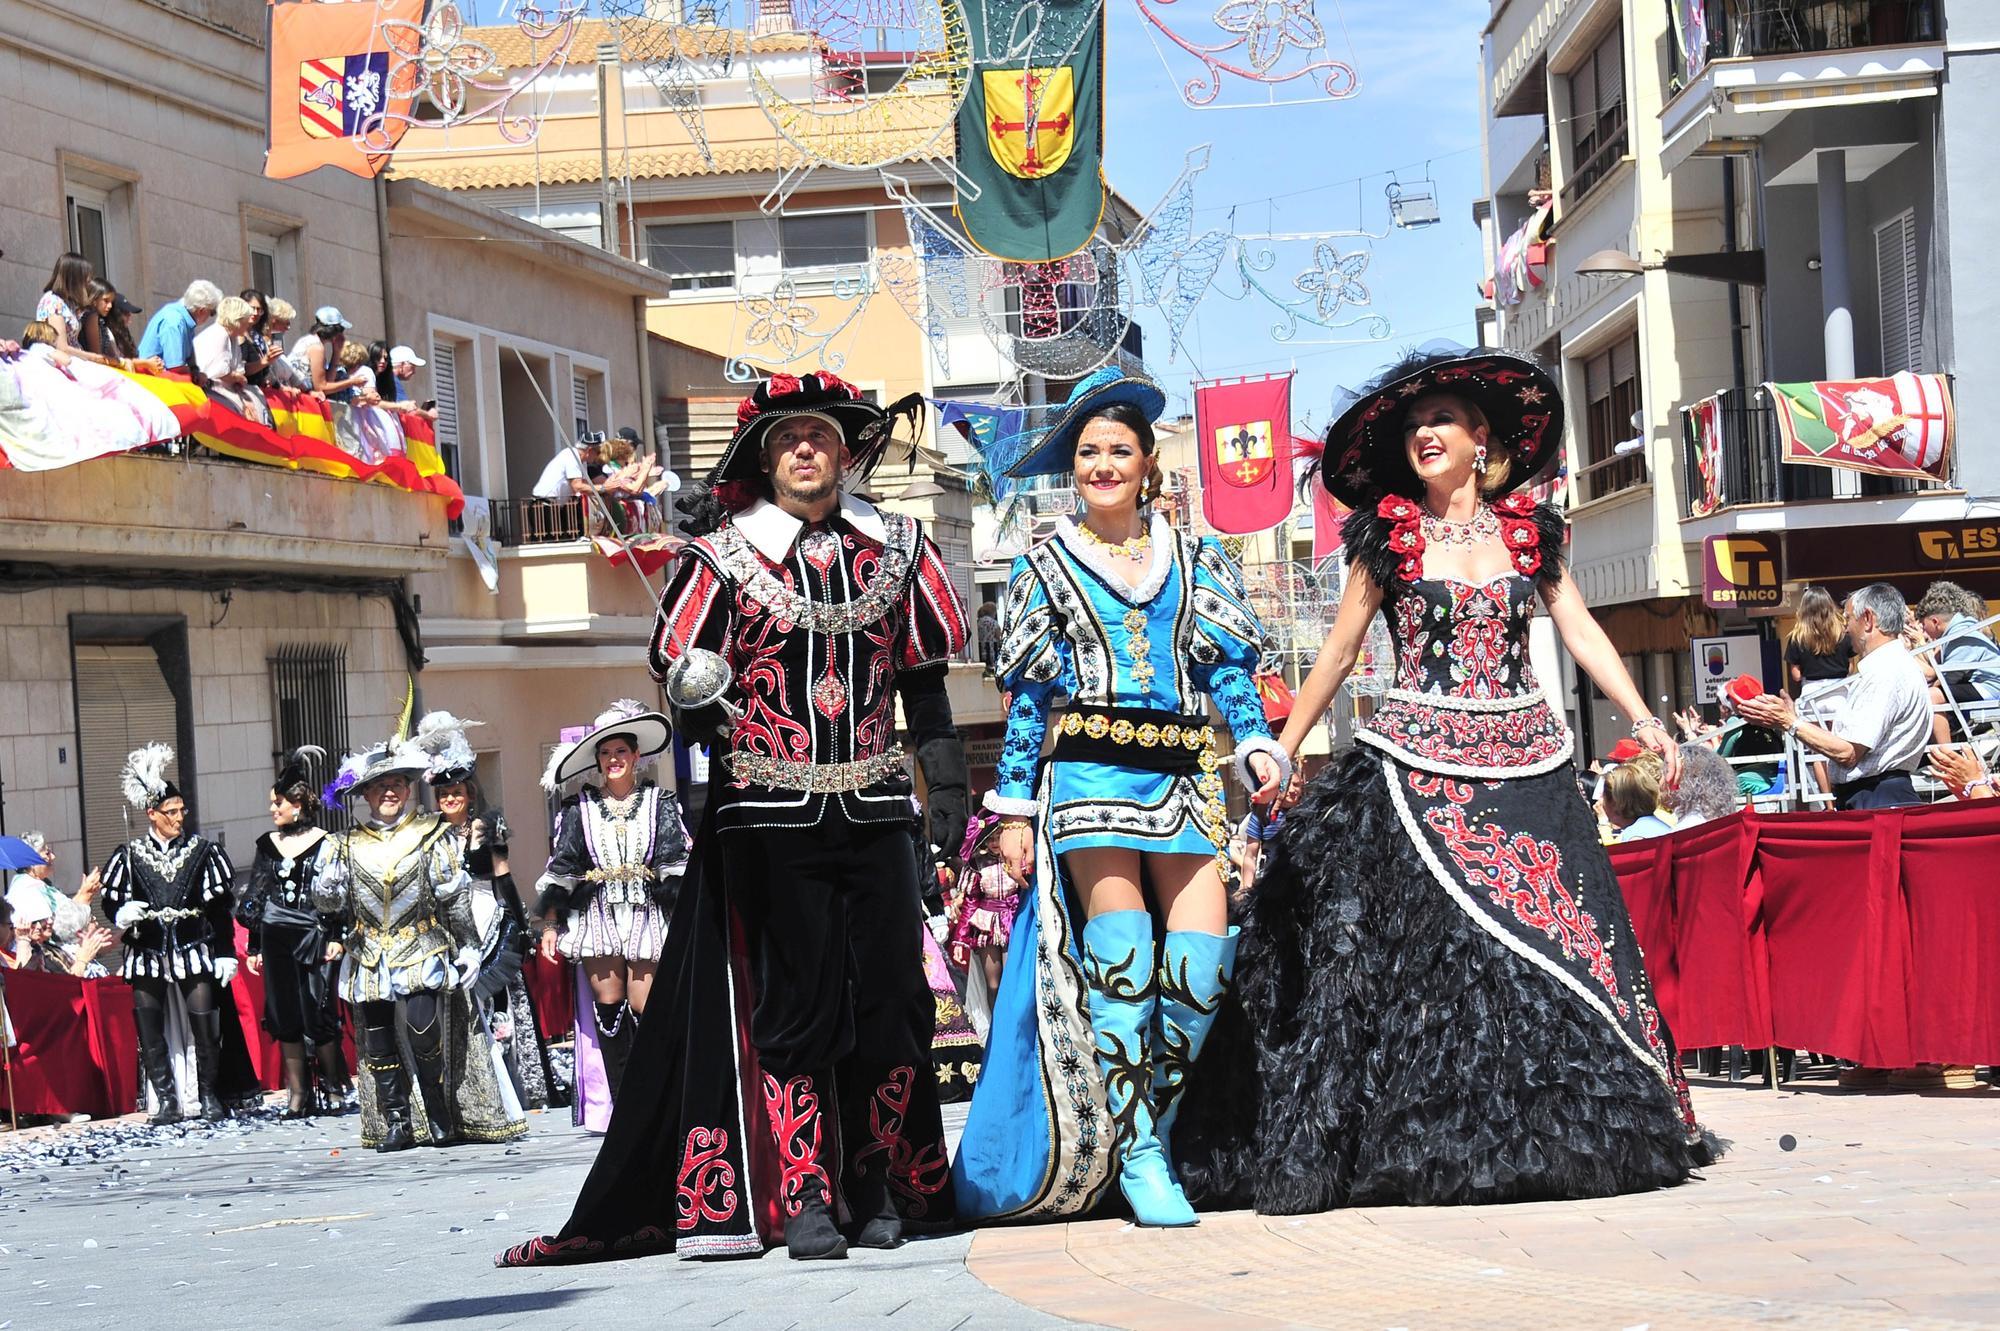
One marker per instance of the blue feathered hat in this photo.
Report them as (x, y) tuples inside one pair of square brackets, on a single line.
[(1055, 451)]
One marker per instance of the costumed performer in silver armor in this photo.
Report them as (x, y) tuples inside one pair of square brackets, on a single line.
[(1119, 631), (293, 946), (617, 856), (169, 896), (500, 995), (411, 961)]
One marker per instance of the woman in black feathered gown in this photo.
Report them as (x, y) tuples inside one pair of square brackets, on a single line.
[(1441, 998)]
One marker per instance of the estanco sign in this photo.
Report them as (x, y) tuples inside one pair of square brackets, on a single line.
[(1742, 573), (1967, 542)]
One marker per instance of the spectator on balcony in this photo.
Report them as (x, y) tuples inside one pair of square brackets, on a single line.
[(1632, 799), (1885, 721), (1966, 663), (316, 357), (988, 624), (281, 371), (571, 471), (106, 336), (218, 355), (64, 300), (381, 380), (258, 349), (170, 333), (404, 363)]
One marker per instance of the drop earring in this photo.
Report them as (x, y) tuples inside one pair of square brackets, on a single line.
[(1479, 460)]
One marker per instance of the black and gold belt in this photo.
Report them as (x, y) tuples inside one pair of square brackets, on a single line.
[(1155, 741)]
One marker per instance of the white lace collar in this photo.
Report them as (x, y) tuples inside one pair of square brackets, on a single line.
[(1091, 555), (772, 530)]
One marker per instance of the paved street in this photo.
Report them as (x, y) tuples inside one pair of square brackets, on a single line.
[(290, 1225), (1832, 1211)]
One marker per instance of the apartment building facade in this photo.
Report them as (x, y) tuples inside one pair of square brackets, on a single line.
[(1693, 197)]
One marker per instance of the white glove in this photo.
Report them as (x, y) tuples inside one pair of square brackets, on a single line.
[(225, 970), (130, 914), (467, 965)]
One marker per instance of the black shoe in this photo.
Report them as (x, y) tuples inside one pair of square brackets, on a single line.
[(169, 1111), (810, 1236), (884, 1231), (398, 1138), (152, 1028)]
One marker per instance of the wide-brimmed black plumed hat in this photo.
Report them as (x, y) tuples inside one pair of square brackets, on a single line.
[(865, 426), (1365, 458)]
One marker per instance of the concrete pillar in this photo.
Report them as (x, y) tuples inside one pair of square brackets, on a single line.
[(1836, 283)]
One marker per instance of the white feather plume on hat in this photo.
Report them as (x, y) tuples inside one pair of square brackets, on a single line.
[(442, 736), (144, 779)]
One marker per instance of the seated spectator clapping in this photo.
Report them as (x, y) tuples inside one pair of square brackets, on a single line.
[(1966, 663), (1707, 788)]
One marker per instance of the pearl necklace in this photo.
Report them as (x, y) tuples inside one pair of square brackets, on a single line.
[(1483, 526), (1134, 547)]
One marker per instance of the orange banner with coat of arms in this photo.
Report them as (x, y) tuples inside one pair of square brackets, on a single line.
[(342, 82)]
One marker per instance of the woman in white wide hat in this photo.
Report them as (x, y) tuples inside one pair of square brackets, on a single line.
[(619, 850)]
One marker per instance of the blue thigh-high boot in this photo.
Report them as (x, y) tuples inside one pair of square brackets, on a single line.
[(1195, 970), (1118, 963)]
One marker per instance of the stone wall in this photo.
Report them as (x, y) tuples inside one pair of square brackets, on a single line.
[(231, 694)]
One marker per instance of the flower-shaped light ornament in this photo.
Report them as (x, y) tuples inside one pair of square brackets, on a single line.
[(779, 320), (1334, 279), (1267, 27), (436, 59)]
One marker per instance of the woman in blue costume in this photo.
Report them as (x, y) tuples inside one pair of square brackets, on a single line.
[(1444, 997), (1115, 630)]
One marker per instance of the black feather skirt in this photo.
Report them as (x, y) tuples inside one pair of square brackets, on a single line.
[(1405, 1033)]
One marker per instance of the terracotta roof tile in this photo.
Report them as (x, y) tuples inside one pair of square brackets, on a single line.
[(513, 49)]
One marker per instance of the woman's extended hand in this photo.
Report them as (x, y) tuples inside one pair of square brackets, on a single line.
[(254, 962), (1659, 741), (548, 945), (1017, 848), (1269, 777)]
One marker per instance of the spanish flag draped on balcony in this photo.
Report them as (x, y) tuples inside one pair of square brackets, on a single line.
[(343, 80), (1031, 133)]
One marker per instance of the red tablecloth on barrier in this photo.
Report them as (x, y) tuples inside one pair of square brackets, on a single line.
[(77, 1052), (1860, 935)]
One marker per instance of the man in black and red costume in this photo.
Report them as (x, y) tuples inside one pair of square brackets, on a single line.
[(791, 1092)]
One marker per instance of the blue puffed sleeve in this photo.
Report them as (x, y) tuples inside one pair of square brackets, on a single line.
[(1034, 666), (1228, 642)]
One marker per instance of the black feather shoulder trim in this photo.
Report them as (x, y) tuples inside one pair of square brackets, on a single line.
[(1364, 535)]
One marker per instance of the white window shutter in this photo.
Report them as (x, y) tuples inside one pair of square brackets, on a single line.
[(1900, 290), (580, 397), (444, 383)]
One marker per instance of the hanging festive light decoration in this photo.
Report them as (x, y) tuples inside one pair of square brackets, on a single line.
[(458, 81), (1279, 46), (669, 54)]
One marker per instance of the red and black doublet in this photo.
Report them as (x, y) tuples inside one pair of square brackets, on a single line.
[(786, 1053)]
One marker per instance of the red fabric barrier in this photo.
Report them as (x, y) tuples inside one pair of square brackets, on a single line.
[(1861, 935), (78, 1052)]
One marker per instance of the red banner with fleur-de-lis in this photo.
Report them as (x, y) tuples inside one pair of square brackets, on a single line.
[(1243, 440)]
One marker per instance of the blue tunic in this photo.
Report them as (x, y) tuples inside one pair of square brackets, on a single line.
[(1038, 1140), (1076, 630)]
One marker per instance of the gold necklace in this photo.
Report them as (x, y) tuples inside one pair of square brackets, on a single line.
[(1133, 547)]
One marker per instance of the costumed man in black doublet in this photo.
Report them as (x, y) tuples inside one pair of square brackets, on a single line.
[(790, 1094), (1444, 997), (169, 896)]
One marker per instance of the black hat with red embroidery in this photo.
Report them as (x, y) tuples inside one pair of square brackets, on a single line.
[(1365, 457)]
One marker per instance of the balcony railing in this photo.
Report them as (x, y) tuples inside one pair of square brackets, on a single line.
[(1611, 475), (1751, 451), (1792, 27), (1596, 154)]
